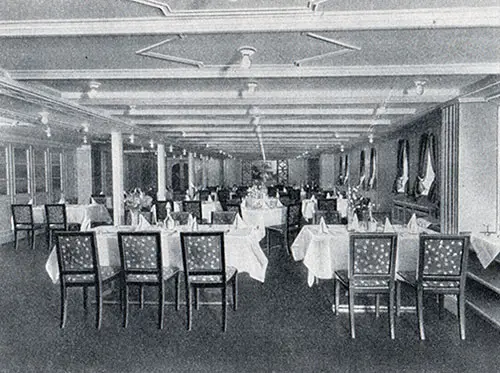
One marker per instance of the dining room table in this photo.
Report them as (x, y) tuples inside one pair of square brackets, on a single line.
[(263, 216), (324, 252), (486, 245), (241, 244), (77, 213), (310, 206), (206, 208)]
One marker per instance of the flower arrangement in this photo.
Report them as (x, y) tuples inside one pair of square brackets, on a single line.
[(257, 192), (357, 201), (137, 200)]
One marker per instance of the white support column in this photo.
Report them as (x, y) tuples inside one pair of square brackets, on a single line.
[(162, 177), (191, 173), (117, 167), (84, 173), (204, 172)]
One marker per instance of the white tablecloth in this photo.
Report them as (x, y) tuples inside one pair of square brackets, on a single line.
[(309, 207), (206, 208), (324, 253), (264, 217), (486, 247), (76, 213), (241, 246)]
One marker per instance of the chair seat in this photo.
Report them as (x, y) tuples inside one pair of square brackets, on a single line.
[(205, 279), (411, 278), (152, 278), (29, 226), (56, 226), (106, 273), (371, 283), (277, 228)]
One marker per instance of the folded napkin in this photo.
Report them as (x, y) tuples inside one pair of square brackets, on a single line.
[(277, 194), (62, 200), (30, 202), (355, 223), (209, 199), (187, 198), (284, 190), (192, 223), (278, 203), (169, 222), (388, 228), (328, 195), (239, 223), (323, 228), (423, 223), (313, 198), (143, 224), (412, 224), (92, 201)]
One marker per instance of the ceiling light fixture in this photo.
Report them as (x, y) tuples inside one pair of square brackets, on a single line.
[(132, 138), (85, 127), (85, 140), (419, 87), (184, 151), (342, 148), (170, 148), (370, 139), (246, 53), (48, 132), (44, 117), (151, 144), (93, 86), (251, 86)]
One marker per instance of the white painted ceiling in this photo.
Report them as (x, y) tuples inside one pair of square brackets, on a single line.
[(325, 73)]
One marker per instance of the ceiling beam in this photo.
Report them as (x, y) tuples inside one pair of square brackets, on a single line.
[(255, 21), (175, 123)]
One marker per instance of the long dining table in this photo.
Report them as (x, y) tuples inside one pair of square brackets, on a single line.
[(77, 213), (323, 253), (241, 247)]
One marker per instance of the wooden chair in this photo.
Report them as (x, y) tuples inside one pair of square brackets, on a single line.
[(442, 269), (79, 267), (194, 208), (203, 194), (223, 217), (331, 217), (98, 198), (55, 219), (234, 207), (372, 260), (142, 265), (161, 209), (204, 261), (180, 217), (292, 225), (327, 204), (22, 217)]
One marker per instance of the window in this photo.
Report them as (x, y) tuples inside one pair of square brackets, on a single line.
[(362, 170), (21, 170), (56, 170), (40, 170), (3, 171)]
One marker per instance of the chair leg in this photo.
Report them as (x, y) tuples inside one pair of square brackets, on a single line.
[(16, 239), (85, 295), (125, 305), (268, 241), (188, 306), (391, 313), (440, 305), (336, 300), (461, 314), (377, 305), (398, 298), (64, 295), (420, 312), (224, 309), (235, 292), (351, 313), (177, 291), (161, 311), (196, 296), (98, 294), (33, 240), (141, 296)]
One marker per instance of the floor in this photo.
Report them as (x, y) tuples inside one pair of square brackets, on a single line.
[(281, 325)]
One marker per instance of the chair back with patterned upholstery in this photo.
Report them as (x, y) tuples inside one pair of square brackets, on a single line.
[(180, 217), (372, 259), (294, 215), (223, 217), (77, 257), (161, 208), (22, 214), (140, 256), (193, 207), (443, 261), (99, 198), (327, 204), (330, 217), (234, 207), (294, 195), (55, 216), (204, 257), (203, 194)]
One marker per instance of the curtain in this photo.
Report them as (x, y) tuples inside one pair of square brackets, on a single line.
[(341, 170), (401, 184), (419, 187), (372, 182), (425, 183), (362, 170), (434, 187), (346, 168)]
